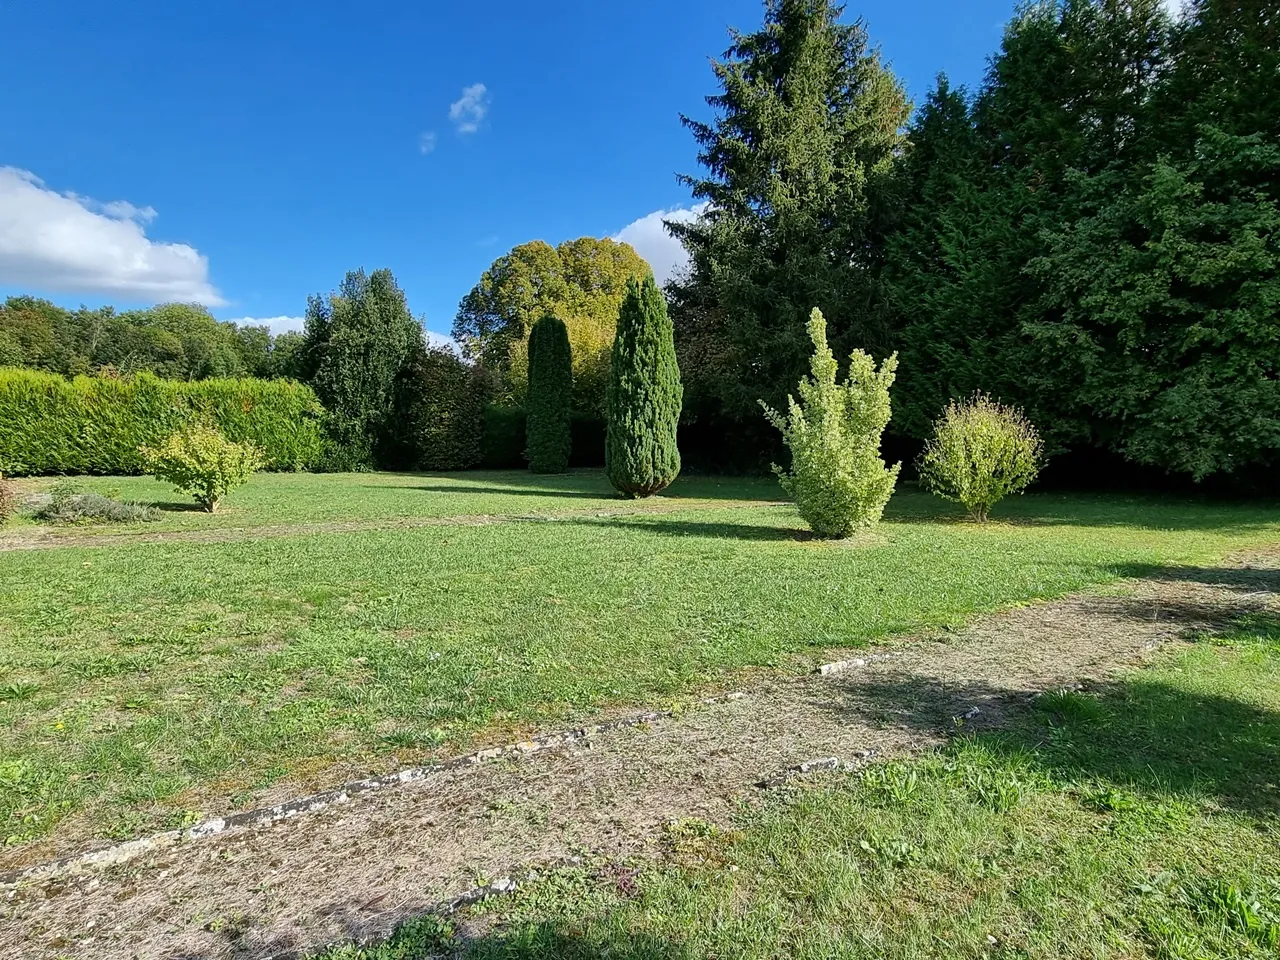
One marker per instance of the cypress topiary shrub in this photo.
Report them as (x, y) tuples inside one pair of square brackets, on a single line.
[(547, 427), (49, 424), (837, 477), (644, 396)]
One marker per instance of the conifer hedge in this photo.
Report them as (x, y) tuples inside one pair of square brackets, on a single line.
[(548, 430), (49, 424), (644, 396)]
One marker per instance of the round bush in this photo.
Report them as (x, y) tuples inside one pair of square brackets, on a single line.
[(980, 453)]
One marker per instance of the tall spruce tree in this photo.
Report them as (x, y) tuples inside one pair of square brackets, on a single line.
[(1159, 315), (808, 123), (548, 428), (644, 396), (368, 338)]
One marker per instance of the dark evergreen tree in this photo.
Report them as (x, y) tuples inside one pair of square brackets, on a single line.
[(439, 413), (1159, 318), (644, 396), (550, 398), (371, 336), (808, 123)]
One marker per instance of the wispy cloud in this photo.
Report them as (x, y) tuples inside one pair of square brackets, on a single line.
[(666, 255), (427, 142), (470, 109), (66, 243)]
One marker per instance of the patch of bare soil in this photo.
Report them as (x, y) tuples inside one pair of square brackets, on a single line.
[(50, 538), (357, 869)]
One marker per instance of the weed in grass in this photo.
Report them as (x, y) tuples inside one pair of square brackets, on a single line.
[(71, 505)]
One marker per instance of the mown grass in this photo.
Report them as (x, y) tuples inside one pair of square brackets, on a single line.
[(142, 685), (301, 498), (1138, 820)]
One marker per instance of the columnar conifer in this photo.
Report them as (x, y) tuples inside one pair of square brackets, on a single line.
[(550, 396)]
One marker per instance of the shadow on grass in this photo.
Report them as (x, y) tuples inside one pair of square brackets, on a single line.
[(427, 936), (501, 491), (1145, 734), (673, 527), (1092, 510)]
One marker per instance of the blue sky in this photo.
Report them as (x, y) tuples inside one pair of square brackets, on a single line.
[(247, 154)]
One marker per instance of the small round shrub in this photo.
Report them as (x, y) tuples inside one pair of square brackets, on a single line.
[(980, 453), (200, 461)]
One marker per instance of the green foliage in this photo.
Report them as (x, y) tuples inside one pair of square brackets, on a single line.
[(200, 461), (70, 505), (98, 424), (798, 165), (504, 437), (581, 282), (174, 340), (981, 452), (1164, 298), (358, 342), (10, 501), (838, 480), (440, 420), (550, 396), (641, 454)]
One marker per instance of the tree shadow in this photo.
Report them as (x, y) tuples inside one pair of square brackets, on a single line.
[(491, 490), (1142, 734), (1242, 579), (671, 527), (1145, 512), (420, 934)]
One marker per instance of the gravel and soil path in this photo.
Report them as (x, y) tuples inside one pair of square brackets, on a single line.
[(357, 869)]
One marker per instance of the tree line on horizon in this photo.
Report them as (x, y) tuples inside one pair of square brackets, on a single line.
[(1090, 235)]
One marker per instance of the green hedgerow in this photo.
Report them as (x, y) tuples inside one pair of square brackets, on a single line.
[(550, 398), (201, 462), (981, 452), (837, 477), (644, 395)]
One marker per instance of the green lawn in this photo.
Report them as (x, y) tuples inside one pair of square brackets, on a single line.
[(142, 685), (296, 498), (1138, 820)]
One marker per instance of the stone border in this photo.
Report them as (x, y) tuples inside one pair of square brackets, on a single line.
[(120, 853)]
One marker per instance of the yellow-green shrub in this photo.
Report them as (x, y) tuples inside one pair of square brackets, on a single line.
[(49, 424), (837, 477), (980, 453), (200, 461)]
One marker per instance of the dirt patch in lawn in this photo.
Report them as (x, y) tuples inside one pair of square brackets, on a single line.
[(50, 538), (357, 869)]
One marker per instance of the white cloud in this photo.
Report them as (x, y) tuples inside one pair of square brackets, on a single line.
[(63, 243), (1173, 7), (468, 110), (650, 238), (427, 142), (440, 340), (277, 325)]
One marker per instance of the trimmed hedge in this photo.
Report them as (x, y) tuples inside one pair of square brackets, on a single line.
[(49, 424), (504, 438)]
